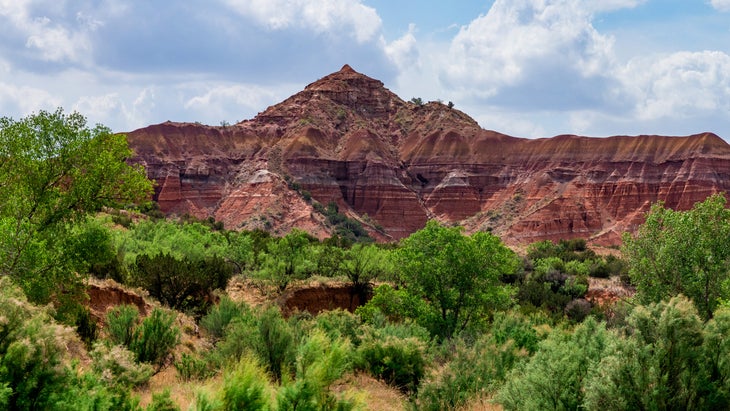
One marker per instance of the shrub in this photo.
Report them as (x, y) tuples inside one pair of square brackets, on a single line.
[(276, 343), (578, 310), (478, 369), (182, 284), (121, 321), (116, 366), (246, 388), (155, 338), (162, 402), (86, 327), (399, 362), (30, 352), (218, 318), (341, 324), (190, 367), (320, 362)]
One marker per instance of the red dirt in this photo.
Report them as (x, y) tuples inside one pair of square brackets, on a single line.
[(107, 295), (320, 298)]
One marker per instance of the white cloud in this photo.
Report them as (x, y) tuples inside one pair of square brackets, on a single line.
[(682, 84), (404, 51), (517, 40), (213, 103), (721, 5), (23, 100), (322, 16), (51, 39)]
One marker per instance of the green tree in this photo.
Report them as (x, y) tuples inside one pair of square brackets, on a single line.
[(362, 264), (55, 170), (682, 252), (458, 275), (288, 259)]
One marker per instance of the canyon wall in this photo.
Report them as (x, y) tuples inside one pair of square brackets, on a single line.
[(394, 164)]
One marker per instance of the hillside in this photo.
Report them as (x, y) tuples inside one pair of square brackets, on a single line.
[(346, 138)]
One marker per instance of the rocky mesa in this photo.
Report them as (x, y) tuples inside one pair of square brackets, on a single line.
[(394, 164)]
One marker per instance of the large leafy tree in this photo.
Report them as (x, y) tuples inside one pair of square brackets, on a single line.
[(682, 252), (457, 275), (54, 171)]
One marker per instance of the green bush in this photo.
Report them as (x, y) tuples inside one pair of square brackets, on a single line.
[(246, 387), (190, 367), (476, 369), (155, 338), (31, 372), (86, 327), (341, 324), (320, 361), (162, 402), (220, 315), (121, 322), (276, 343), (116, 366), (399, 362), (182, 284)]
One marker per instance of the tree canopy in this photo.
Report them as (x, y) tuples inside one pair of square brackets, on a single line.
[(56, 170), (457, 274), (682, 252)]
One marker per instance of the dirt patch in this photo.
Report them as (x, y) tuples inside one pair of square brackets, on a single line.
[(606, 291), (322, 298), (108, 294)]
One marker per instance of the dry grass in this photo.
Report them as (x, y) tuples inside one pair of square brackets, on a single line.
[(482, 404), (377, 395), (181, 392)]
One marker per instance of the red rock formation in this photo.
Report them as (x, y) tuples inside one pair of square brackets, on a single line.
[(348, 139)]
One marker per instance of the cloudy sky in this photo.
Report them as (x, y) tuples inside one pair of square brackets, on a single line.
[(529, 68)]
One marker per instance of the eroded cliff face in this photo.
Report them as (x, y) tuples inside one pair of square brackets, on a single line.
[(346, 138)]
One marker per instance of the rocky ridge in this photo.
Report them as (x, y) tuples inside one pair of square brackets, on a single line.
[(395, 164)]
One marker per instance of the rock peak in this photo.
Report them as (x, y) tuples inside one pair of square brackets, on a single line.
[(347, 69)]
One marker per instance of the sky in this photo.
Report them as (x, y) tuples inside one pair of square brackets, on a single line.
[(528, 68)]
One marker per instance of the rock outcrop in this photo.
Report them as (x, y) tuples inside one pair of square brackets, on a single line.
[(395, 164)]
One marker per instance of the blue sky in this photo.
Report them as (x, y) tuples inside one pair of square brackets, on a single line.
[(529, 68)]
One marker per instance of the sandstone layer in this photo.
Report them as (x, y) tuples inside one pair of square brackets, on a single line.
[(394, 164)]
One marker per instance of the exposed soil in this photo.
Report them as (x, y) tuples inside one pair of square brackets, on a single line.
[(606, 291), (315, 299), (107, 294)]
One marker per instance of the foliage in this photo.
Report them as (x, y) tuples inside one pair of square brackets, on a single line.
[(121, 322), (190, 367), (162, 402), (288, 259), (362, 264), (276, 344), (320, 361), (194, 240), (220, 315), (155, 338), (245, 387), (400, 362), (457, 275), (668, 360), (394, 305), (116, 366), (183, 284), (346, 229), (682, 252), (553, 377), (417, 101), (478, 368), (56, 170), (30, 352)]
